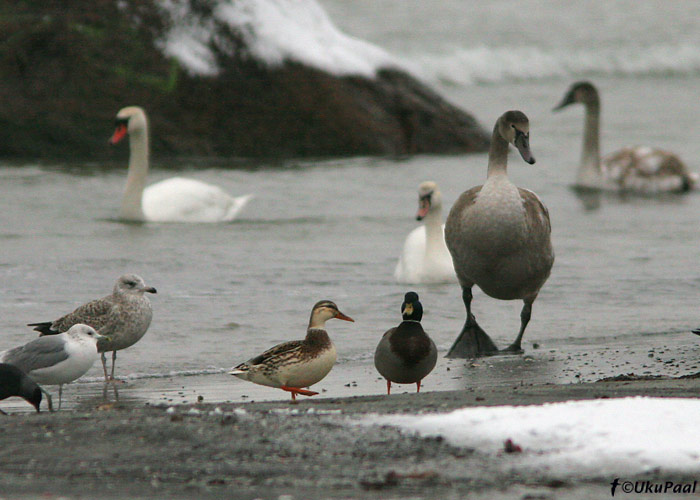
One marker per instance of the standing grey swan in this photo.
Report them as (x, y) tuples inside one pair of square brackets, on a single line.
[(173, 200), (425, 258), (631, 169), (405, 354), (499, 236)]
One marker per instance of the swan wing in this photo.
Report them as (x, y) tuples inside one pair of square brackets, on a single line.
[(409, 267), (188, 200)]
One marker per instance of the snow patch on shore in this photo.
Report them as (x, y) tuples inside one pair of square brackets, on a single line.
[(274, 31), (597, 438)]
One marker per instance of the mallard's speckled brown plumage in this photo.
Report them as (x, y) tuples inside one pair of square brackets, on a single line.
[(299, 363)]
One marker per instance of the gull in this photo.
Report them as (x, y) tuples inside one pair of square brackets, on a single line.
[(124, 316), (56, 359)]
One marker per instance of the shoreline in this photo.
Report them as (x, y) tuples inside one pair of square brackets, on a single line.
[(270, 449)]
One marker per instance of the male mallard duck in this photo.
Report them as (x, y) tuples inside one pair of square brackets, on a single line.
[(425, 258), (499, 236), (632, 169), (406, 354), (293, 365)]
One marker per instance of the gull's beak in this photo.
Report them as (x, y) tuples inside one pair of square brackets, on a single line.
[(150, 289), (102, 340)]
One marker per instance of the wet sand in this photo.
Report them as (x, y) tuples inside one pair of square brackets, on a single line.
[(276, 450)]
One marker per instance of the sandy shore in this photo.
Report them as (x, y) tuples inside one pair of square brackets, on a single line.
[(275, 450)]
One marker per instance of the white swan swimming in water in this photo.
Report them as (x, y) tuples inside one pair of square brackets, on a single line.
[(638, 169), (425, 258), (173, 200)]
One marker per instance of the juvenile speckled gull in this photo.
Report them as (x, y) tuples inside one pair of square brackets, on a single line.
[(56, 359), (14, 382), (124, 317)]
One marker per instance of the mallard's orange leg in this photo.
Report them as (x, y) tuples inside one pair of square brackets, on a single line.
[(418, 386), (388, 386), (298, 390)]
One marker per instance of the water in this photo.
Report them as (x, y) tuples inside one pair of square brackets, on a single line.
[(622, 296)]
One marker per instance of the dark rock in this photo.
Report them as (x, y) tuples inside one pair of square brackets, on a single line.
[(67, 69)]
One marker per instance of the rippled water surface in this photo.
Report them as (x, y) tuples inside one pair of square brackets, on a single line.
[(622, 296)]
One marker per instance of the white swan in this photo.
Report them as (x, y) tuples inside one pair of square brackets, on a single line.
[(425, 258), (173, 200), (632, 169), (499, 236)]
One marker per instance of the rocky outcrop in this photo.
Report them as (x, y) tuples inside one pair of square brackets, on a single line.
[(67, 69)]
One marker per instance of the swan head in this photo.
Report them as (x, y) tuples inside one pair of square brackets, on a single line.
[(580, 92), (323, 311), (130, 120), (514, 127), (132, 283), (429, 199), (411, 309)]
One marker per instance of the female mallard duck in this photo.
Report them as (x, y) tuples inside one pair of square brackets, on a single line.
[(173, 200), (425, 258), (293, 365), (406, 354), (499, 238), (632, 169)]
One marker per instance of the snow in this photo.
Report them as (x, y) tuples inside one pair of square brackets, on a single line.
[(274, 31), (582, 438), (188, 39)]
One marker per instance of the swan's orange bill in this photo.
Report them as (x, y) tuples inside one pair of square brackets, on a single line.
[(119, 134), (343, 317), (423, 211)]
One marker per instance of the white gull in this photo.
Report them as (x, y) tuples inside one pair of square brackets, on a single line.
[(56, 359)]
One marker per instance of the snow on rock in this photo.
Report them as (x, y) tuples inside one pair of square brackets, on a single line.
[(274, 31), (590, 438)]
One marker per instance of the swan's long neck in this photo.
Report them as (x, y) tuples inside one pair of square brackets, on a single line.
[(434, 239), (589, 169), (498, 155), (136, 179)]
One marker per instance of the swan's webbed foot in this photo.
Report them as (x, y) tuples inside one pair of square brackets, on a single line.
[(472, 342), (514, 348)]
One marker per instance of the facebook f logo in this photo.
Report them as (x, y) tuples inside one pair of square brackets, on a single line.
[(614, 485)]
